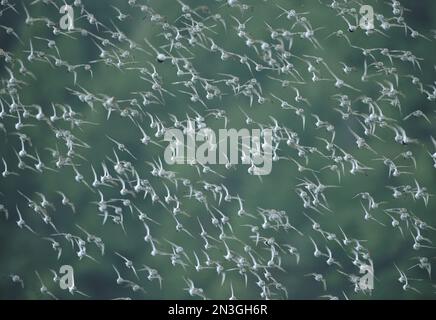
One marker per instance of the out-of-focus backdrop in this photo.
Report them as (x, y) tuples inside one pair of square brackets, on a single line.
[(22, 252)]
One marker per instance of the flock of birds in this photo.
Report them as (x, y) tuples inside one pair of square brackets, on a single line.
[(243, 246)]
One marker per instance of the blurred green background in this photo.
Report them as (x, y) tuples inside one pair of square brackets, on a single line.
[(23, 253)]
